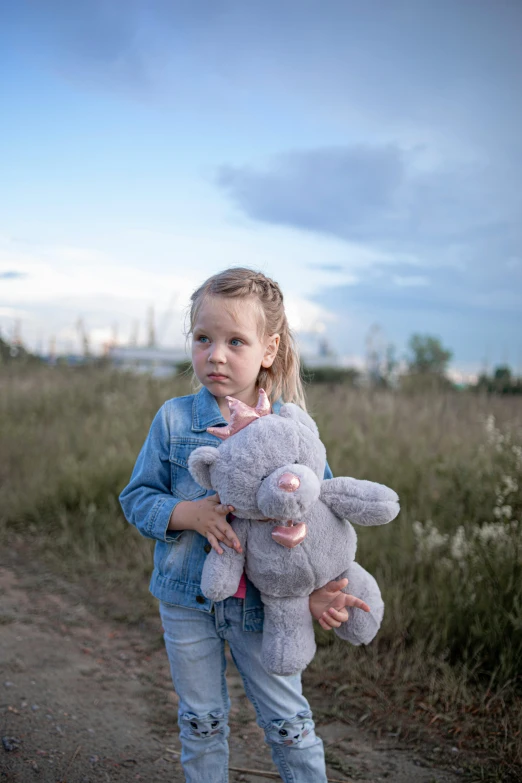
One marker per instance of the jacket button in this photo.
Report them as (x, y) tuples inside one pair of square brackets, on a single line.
[(207, 548), (200, 599)]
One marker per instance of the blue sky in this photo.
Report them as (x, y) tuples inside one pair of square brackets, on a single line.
[(368, 156)]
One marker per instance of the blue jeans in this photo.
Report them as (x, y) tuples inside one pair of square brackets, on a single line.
[(195, 644)]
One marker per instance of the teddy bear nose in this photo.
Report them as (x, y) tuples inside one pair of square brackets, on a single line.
[(288, 482)]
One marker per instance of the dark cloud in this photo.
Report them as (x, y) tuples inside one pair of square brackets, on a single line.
[(384, 196), (90, 42), (478, 319), (400, 288), (444, 64), (337, 191), (460, 229)]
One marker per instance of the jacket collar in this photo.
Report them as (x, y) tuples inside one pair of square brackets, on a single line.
[(206, 413)]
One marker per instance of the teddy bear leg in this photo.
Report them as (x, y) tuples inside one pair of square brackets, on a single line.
[(361, 627), (288, 635)]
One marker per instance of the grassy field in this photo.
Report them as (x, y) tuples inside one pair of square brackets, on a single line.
[(448, 658)]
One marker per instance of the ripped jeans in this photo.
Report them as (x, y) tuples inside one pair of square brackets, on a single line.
[(195, 644)]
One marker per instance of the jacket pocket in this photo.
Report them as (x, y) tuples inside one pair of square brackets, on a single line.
[(171, 560), (183, 485)]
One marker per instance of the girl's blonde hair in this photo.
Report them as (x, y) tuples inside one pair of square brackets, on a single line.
[(283, 378)]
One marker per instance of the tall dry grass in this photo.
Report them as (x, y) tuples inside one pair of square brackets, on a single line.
[(449, 653), (450, 567)]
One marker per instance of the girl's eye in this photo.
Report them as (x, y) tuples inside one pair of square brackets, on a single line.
[(203, 339), (236, 341)]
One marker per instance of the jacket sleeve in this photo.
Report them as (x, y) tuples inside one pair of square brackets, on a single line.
[(147, 501), (327, 472)]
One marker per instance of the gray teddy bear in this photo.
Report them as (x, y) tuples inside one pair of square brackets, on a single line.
[(293, 527)]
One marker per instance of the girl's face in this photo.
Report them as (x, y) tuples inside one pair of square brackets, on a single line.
[(227, 351)]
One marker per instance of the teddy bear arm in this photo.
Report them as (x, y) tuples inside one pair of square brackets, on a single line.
[(361, 502), (361, 627), (222, 573)]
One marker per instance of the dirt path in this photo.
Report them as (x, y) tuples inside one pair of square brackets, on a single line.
[(85, 700)]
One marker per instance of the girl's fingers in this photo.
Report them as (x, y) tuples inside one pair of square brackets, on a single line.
[(231, 539), (327, 622), (339, 616), (227, 536), (333, 619), (221, 509), (218, 533), (323, 624), (351, 600), (212, 540), (336, 585)]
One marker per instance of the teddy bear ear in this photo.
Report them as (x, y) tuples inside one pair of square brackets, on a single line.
[(199, 464), (292, 411)]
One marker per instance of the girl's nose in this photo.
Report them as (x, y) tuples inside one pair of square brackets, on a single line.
[(216, 355), (288, 482)]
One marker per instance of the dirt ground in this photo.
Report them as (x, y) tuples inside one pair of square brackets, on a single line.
[(84, 699)]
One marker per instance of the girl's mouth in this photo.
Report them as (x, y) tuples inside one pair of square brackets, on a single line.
[(217, 377)]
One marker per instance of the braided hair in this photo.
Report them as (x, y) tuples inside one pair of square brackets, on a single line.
[(283, 378)]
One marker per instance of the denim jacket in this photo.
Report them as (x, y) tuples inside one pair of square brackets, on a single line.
[(159, 481)]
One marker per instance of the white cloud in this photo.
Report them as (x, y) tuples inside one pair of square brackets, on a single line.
[(306, 316), (14, 312), (62, 284)]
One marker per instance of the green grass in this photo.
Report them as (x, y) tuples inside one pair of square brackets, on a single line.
[(450, 567)]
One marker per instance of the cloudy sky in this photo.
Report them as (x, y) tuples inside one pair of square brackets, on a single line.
[(367, 155)]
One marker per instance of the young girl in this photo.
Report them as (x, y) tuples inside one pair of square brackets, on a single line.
[(240, 343)]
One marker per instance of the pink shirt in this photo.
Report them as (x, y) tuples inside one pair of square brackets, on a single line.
[(241, 590)]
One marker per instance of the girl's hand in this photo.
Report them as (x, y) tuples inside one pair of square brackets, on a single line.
[(208, 517), (328, 604)]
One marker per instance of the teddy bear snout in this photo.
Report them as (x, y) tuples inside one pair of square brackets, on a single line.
[(289, 482), (288, 492)]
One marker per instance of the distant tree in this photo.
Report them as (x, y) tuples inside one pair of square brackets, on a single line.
[(502, 374), (427, 355), (10, 353), (501, 382), (5, 351), (346, 375)]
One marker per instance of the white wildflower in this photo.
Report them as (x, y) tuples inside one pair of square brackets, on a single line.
[(418, 529), (510, 485), (460, 547), (490, 533), (489, 424), (428, 538)]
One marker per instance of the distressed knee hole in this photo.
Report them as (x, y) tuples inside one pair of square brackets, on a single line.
[(203, 726), (290, 732)]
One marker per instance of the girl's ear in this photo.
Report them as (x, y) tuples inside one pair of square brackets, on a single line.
[(272, 346), (200, 462)]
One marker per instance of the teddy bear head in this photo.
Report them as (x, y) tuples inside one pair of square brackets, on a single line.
[(270, 469)]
